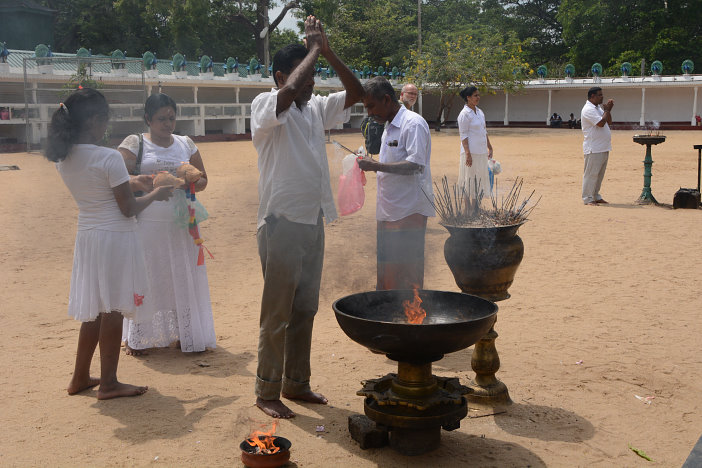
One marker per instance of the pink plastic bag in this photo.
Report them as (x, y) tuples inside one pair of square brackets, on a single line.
[(351, 196)]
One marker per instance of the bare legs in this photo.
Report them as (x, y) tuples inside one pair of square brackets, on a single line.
[(87, 341), (106, 331)]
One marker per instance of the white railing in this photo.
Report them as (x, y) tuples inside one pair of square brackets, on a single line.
[(194, 117)]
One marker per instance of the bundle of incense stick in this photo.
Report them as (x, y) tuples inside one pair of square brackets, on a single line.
[(463, 205)]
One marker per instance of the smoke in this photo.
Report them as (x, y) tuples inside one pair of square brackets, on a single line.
[(653, 127)]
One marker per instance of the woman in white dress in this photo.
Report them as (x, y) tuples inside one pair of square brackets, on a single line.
[(475, 145), (179, 286)]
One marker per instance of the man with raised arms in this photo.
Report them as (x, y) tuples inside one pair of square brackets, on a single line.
[(287, 128)]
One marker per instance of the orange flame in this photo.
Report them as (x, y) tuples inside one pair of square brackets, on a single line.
[(264, 441), (413, 310)]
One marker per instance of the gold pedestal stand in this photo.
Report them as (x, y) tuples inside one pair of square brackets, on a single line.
[(488, 395)]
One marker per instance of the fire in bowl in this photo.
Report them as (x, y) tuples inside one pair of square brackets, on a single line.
[(378, 320), (277, 454)]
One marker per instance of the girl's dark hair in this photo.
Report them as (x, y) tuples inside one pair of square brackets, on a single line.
[(156, 102), (69, 121), (467, 92)]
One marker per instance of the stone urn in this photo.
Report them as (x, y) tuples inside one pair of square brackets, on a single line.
[(484, 260)]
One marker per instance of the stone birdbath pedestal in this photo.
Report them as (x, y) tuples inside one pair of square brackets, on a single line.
[(646, 197)]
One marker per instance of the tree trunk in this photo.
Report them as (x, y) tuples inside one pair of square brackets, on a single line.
[(262, 23), (441, 111)]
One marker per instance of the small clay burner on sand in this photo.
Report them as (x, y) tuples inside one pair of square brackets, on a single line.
[(264, 450)]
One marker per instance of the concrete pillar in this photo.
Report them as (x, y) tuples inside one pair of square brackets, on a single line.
[(548, 113), (506, 121), (693, 122), (237, 89), (44, 118), (642, 120), (419, 103), (200, 122)]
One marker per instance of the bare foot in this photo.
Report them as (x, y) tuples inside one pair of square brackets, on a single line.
[(308, 396), (602, 200), (274, 408), (129, 351), (592, 203), (77, 387), (118, 390)]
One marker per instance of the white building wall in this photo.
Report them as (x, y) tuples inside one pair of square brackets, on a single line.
[(493, 105), (664, 105), (222, 105)]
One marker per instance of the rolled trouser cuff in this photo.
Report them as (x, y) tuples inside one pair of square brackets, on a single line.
[(268, 390), (292, 387)]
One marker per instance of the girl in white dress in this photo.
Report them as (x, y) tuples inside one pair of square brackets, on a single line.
[(180, 290), (475, 145), (107, 282)]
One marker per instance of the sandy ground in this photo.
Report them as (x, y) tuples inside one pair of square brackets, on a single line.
[(616, 287)]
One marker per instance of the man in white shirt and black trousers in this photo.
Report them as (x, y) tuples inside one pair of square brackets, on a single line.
[(287, 129), (596, 119), (404, 187)]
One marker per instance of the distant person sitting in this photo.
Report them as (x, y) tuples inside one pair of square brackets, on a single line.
[(555, 120), (571, 121)]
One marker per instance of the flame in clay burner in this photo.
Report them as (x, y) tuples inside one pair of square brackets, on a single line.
[(413, 310), (263, 441)]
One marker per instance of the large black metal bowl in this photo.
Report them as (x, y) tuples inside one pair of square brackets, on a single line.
[(376, 320)]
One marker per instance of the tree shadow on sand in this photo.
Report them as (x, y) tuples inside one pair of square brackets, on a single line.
[(155, 416), (218, 362), (545, 423), (457, 448)]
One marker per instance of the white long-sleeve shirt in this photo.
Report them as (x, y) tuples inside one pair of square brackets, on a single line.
[(292, 156)]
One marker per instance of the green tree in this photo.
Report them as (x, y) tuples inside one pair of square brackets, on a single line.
[(88, 23), (367, 32), (602, 31), (446, 66), (191, 27), (281, 38), (253, 15), (535, 22)]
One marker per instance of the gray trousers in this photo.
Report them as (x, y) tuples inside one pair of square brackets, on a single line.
[(595, 167), (291, 258)]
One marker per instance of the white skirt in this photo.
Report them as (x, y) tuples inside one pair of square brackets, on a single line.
[(109, 275), (477, 173), (180, 292)]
